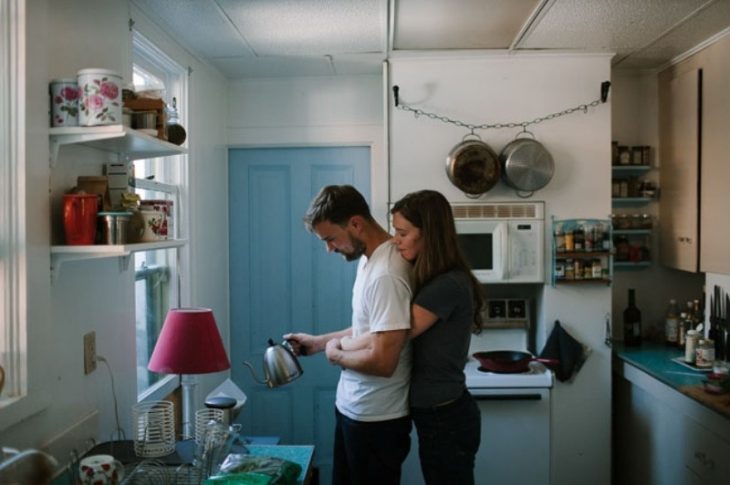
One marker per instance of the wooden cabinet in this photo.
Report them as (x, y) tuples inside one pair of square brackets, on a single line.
[(679, 134), (715, 168), (694, 122)]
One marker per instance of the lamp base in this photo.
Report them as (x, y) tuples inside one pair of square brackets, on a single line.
[(189, 390)]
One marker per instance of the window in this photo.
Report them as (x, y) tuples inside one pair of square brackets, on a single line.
[(158, 273), (12, 207)]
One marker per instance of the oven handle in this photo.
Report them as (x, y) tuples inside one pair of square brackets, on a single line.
[(507, 397)]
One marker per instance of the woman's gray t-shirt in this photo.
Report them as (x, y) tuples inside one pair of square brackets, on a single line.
[(440, 353)]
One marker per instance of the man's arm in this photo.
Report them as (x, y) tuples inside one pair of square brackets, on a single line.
[(380, 358), (306, 344)]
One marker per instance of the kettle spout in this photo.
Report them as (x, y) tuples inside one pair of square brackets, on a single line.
[(255, 378)]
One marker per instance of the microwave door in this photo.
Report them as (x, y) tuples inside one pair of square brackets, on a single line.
[(500, 248)]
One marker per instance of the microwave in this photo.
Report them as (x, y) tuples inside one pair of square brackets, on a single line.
[(503, 242)]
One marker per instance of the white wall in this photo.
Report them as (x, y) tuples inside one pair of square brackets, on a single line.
[(635, 122), (64, 37), (491, 88), (314, 111)]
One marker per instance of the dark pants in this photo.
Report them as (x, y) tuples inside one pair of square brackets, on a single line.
[(448, 439), (370, 453)]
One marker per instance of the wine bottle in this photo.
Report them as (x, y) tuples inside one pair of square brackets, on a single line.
[(632, 322)]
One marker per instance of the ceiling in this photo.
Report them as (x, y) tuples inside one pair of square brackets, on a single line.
[(281, 38)]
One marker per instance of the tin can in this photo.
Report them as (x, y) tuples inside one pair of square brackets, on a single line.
[(101, 97), (64, 102)]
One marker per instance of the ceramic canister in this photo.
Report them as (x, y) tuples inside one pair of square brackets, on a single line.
[(155, 228), (100, 470), (168, 229), (101, 97), (79, 218), (64, 102)]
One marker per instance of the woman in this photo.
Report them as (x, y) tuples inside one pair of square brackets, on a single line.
[(446, 309)]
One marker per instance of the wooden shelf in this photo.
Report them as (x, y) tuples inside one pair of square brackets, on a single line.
[(128, 143), (619, 201), (584, 281), (631, 232), (63, 254), (581, 254)]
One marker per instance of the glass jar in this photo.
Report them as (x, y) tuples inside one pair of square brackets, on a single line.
[(596, 268), (690, 345), (559, 270), (624, 155), (579, 239), (569, 240), (705, 353), (578, 269), (559, 239), (569, 270)]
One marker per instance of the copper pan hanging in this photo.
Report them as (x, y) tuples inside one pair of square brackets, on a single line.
[(472, 166)]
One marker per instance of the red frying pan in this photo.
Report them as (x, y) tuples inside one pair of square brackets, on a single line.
[(508, 361)]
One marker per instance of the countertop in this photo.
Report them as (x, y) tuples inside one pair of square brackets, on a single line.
[(656, 361)]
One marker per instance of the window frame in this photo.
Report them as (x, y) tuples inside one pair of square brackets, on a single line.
[(26, 398), (158, 63)]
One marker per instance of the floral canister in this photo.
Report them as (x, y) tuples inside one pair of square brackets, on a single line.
[(64, 102), (164, 206), (101, 97)]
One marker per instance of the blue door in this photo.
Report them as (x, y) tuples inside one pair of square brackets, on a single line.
[(283, 280)]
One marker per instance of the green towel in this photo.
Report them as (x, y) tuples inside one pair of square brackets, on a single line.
[(239, 469)]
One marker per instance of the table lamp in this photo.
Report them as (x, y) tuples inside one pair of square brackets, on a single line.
[(189, 344)]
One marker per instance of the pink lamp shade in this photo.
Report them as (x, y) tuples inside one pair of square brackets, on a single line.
[(189, 344)]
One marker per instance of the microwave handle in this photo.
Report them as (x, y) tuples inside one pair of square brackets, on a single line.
[(502, 234)]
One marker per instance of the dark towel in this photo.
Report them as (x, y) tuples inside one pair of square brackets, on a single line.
[(570, 353)]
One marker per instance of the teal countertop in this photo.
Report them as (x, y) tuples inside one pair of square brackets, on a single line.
[(656, 360)]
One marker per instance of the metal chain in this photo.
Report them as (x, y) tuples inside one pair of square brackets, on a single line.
[(485, 126)]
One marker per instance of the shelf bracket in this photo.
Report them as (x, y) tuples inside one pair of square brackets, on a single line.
[(124, 262)]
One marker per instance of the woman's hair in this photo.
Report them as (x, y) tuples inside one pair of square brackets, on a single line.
[(430, 212), (336, 204)]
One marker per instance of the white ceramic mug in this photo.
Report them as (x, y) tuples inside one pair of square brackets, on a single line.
[(100, 469), (155, 226)]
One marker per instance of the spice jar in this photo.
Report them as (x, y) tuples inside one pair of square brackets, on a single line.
[(637, 155), (579, 239), (569, 241), (569, 270), (559, 270), (705, 353), (559, 239), (587, 271), (596, 268), (624, 155), (578, 269)]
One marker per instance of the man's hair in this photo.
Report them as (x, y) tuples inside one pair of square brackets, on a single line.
[(336, 204)]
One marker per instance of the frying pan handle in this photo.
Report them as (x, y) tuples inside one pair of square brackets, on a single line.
[(547, 361)]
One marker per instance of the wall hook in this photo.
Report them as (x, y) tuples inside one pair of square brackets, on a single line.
[(605, 86), (395, 95)]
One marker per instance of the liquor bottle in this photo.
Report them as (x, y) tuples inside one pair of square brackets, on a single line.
[(671, 324), (632, 322)]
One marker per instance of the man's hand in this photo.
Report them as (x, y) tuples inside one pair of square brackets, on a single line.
[(303, 343), (333, 350)]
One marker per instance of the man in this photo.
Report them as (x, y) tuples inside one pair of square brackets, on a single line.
[(372, 423)]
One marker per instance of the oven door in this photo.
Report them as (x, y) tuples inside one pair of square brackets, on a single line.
[(515, 441)]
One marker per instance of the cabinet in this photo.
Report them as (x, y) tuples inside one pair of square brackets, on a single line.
[(127, 144), (715, 146), (581, 251), (679, 135)]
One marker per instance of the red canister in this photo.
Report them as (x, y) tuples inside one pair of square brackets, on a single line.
[(79, 218)]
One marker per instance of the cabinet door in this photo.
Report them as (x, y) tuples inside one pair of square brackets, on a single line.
[(705, 454), (679, 92), (715, 196)]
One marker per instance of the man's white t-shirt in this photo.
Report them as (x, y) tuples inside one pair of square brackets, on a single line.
[(381, 302)]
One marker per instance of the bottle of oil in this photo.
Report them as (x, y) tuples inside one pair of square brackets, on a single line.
[(632, 321)]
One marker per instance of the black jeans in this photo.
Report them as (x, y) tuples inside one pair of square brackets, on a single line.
[(448, 440), (370, 453)]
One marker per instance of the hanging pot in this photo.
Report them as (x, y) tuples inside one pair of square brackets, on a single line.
[(472, 166), (526, 164), (280, 365)]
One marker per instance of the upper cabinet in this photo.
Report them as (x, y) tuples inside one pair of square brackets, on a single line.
[(679, 133), (694, 122), (715, 167)]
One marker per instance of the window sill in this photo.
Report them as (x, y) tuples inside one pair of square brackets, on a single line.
[(13, 411)]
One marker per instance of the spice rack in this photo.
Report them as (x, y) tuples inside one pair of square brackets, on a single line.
[(582, 251)]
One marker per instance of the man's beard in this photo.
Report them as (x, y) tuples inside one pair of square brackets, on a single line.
[(358, 249)]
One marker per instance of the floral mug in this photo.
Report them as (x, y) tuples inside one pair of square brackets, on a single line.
[(100, 470), (101, 97)]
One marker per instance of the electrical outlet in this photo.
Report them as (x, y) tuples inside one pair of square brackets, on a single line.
[(89, 352)]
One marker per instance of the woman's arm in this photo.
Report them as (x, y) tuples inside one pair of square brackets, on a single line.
[(421, 320)]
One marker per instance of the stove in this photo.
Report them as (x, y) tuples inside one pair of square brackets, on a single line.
[(538, 376)]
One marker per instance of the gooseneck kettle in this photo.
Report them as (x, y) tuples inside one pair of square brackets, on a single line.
[(280, 365)]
